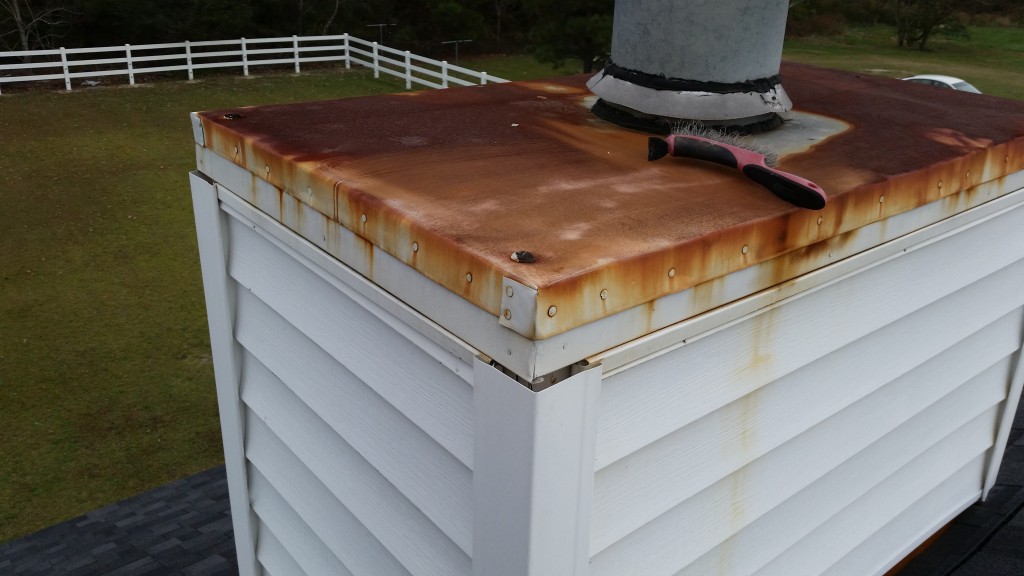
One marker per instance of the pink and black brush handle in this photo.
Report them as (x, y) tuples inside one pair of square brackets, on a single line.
[(789, 187)]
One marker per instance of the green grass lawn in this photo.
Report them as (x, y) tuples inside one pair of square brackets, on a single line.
[(106, 386), (992, 58)]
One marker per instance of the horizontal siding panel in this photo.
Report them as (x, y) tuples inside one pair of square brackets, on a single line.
[(952, 472), (643, 485), (655, 397), (864, 506), (427, 474), (425, 390), (764, 504), (272, 555), (888, 545), (282, 432), (343, 533), (845, 503), (298, 550)]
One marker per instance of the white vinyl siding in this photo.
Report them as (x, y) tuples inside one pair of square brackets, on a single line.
[(440, 402), (355, 466), (826, 425), (739, 445), (273, 556), (889, 544), (416, 464), (304, 551)]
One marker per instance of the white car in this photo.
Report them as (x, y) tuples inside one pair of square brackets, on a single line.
[(944, 82)]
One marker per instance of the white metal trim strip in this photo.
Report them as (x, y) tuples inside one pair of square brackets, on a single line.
[(197, 130), (1005, 422), (643, 348), (220, 308), (534, 474), (416, 327)]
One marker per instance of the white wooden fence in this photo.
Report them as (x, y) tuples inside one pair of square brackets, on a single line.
[(130, 60)]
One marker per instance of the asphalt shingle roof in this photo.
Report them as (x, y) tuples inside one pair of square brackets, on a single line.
[(180, 528)]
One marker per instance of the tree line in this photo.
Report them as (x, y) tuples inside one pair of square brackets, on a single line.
[(553, 31), (577, 29), (914, 22)]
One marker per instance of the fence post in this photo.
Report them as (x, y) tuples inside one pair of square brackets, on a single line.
[(188, 59), (295, 47), (444, 73), (131, 69), (408, 70), (348, 57), (483, 78), (67, 73), (376, 65), (245, 59)]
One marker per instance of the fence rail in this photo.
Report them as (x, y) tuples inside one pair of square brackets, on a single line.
[(68, 64)]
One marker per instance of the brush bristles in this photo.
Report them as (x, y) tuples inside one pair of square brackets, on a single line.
[(702, 131)]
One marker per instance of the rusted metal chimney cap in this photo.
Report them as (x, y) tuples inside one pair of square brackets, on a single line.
[(451, 182)]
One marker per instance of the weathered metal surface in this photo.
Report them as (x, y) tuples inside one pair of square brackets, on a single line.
[(680, 60), (734, 42), (453, 182)]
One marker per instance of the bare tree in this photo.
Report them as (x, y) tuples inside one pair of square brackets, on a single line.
[(500, 8), (919, 20), (330, 19), (34, 25)]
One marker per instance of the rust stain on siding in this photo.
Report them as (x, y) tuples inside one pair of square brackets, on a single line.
[(472, 175)]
